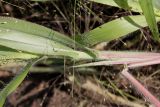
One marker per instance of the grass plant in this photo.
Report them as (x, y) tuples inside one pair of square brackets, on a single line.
[(36, 41)]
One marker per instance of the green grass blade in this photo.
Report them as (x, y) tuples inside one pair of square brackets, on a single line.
[(132, 5), (9, 23), (22, 41), (148, 12), (14, 83), (13, 24), (39, 47), (126, 4), (115, 29), (35, 39), (8, 53)]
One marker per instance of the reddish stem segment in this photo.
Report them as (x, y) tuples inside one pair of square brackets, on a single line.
[(140, 88), (144, 63)]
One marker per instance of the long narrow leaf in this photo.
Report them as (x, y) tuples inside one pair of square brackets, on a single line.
[(35, 39), (132, 5), (115, 29), (14, 83), (148, 12), (8, 53), (9, 23), (21, 28), (132, 59)]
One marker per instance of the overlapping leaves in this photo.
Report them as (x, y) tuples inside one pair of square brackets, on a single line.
[(24, 40)]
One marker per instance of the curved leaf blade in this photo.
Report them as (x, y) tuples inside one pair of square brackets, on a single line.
[(8, 53), (13, 24), (35, 39), (14, 83), (126, 4), (132, 5), (9, 23), (148, 12), (115, 29)]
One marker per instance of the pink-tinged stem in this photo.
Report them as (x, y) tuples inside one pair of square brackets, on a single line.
[(139, 87), (145, 63), (118, 54)]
